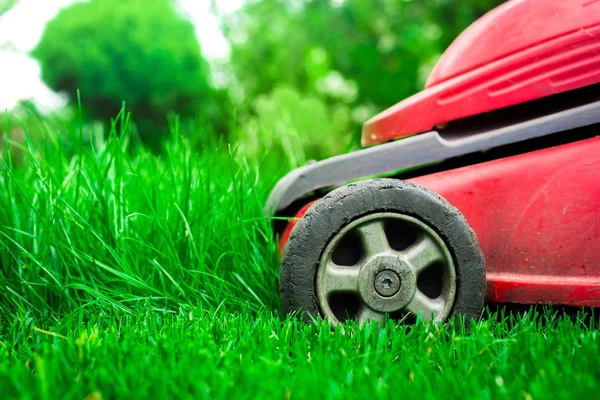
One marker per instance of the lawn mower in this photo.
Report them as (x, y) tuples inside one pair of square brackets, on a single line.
[(484, 187)]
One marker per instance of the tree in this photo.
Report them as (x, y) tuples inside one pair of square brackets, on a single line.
[(141, 52)]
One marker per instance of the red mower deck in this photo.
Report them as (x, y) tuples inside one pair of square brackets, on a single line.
[(537, 218)]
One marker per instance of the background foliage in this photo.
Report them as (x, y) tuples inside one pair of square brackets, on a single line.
[(381, 49), (302, 76), (140, 52)]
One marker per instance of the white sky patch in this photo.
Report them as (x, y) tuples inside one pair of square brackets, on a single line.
[(20, 79), (21, 29), (213, 43), (24, 24)]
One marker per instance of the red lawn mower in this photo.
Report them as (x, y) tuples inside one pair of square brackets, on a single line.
[(505, 204)]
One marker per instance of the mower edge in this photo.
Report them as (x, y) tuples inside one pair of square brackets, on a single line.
[(418, 150)]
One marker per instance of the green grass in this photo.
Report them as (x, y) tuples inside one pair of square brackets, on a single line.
[(116, 225), (219, 354), (130, 275)]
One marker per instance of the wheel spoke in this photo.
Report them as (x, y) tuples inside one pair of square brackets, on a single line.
[(340, 279), (422, 254), (372, 236), (426, 306), (367, 314)]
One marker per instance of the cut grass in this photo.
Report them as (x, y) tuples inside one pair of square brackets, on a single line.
[(245, 355), (130, 275)]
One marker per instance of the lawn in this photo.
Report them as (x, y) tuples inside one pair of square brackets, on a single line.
[(125, 274)]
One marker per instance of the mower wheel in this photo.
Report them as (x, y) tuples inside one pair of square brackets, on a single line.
[(383, 247)]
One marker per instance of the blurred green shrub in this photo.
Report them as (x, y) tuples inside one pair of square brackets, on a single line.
[(141, 52), (289, 128)]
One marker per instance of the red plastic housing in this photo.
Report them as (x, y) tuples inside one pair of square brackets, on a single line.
[(520, 51), (537, 218)]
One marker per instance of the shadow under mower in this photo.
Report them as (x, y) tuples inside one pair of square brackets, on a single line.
[(505, 207)]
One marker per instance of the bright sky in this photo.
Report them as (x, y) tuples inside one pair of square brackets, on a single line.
[(21, 28)]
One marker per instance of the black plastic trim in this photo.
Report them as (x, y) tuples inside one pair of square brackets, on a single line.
[(419, 150)]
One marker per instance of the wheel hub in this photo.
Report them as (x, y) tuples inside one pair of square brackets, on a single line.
[(386, 283), (388, 254)]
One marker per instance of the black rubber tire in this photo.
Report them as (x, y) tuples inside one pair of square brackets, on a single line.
[(312, 233)]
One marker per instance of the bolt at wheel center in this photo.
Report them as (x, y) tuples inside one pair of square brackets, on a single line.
[(387, 283)]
